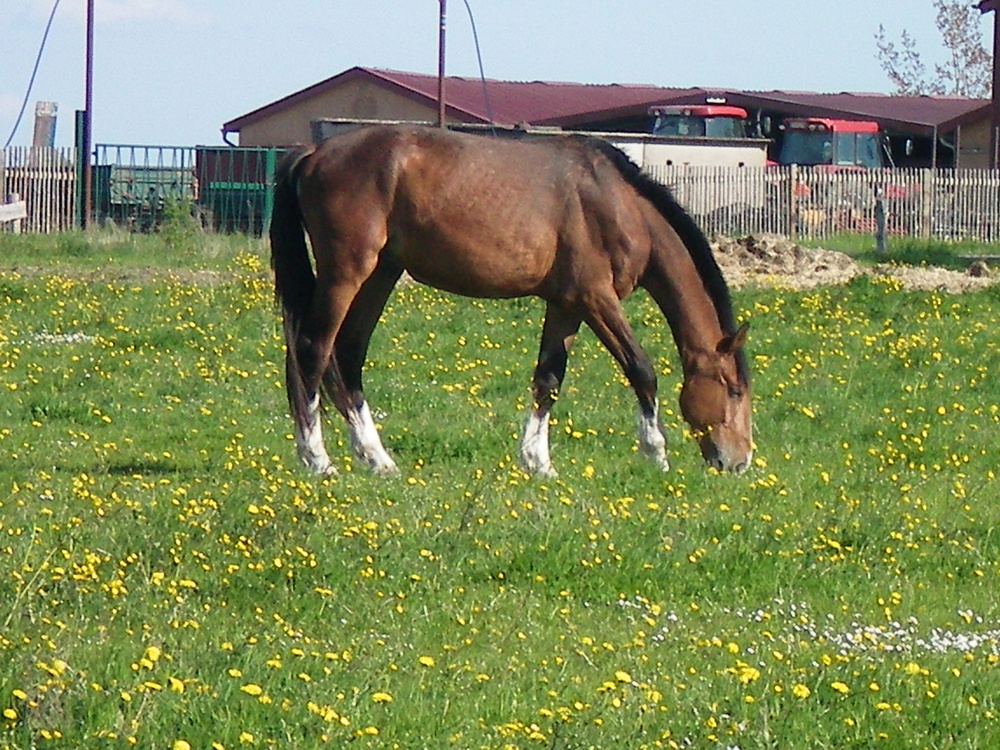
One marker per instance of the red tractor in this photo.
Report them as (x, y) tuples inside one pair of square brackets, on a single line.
[(821, 141)]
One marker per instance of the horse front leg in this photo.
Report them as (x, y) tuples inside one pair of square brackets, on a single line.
[(558, 331), (607, 319)]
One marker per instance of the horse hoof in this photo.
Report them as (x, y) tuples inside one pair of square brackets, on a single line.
[(320, 468), (385, 470), (541, 471)]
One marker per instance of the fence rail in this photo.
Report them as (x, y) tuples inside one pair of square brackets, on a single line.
[(230, 190)]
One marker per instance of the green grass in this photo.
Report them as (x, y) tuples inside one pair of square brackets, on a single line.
[(177, 246), (169, 576), (908, 251)]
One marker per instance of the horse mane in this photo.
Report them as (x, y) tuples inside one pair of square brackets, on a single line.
[(693, 239)]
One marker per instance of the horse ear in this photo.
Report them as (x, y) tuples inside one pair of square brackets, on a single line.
[(733, 343)]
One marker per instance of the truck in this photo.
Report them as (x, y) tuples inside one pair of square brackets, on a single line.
[(827, 142)]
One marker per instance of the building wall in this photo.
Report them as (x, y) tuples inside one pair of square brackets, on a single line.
[(974, 145), (352, 99)]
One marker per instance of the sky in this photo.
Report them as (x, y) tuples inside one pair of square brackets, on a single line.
[(171, 72)]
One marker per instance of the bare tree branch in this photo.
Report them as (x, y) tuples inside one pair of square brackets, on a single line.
[(966, 72)]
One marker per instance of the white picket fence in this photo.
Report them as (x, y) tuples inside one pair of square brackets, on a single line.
[(792, 201), (814, 202), (45, 180)]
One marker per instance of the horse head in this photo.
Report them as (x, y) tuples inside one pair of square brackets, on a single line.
[(715, 402)]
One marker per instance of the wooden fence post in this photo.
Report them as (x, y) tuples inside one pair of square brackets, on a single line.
[(927, 203), (793, 201), (879, 221)]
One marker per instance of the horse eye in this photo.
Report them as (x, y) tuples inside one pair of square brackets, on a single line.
[(735, 391)]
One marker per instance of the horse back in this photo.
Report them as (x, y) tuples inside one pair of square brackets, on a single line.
[(479, 216)]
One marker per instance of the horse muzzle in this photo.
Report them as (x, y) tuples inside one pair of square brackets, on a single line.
[(725, 458)]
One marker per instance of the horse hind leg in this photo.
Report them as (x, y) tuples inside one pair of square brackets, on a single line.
[(312, 362), (304, 401), (607, 320), (350, 351), (558, 332)]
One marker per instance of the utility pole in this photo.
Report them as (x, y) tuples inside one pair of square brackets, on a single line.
[(441, 105), (88, 109), (985, 6)]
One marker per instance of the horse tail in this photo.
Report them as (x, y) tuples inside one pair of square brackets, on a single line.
[(293, 275), (294, 280)]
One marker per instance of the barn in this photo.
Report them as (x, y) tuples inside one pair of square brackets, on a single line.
[(924, 131)]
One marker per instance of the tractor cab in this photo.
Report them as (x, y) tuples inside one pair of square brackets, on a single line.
[(699, 121), (820, 141)]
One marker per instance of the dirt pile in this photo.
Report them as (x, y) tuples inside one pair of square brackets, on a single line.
[(778, 261)]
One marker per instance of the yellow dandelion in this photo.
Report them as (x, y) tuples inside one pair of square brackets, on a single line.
[(252, 688), (912, 668), (181, 745), (841, 687), (747, 674), (622, 676), (381, 697), (801, 691), (426, 661)]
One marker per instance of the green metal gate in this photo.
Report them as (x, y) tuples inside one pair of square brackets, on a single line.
[(228, 189)]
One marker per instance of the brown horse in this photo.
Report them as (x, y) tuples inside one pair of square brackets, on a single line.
[(570, 220)]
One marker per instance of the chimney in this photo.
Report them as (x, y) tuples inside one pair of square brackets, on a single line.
[(45, 124)]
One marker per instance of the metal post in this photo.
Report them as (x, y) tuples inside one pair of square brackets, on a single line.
[(270, 167), (441, 106), (88, 109), (996, 86), (985, 6), (79, 210), (793, 201), (879, 221)]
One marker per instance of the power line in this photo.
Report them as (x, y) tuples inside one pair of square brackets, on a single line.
[(479, 57), (34, 71)]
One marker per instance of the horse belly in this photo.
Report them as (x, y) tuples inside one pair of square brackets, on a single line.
[(476, 272)]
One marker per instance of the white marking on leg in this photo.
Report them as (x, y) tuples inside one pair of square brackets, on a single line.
[(652, 443), (535, 445), (309, 442), (366, 443)]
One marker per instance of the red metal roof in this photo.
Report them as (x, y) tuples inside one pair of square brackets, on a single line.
[(510, 102), (575, 104), (901, 111)]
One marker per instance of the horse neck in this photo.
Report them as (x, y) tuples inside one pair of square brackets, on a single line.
[(673, 281)]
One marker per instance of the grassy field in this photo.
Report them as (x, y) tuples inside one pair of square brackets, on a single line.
[(170, 577)]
